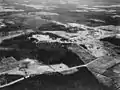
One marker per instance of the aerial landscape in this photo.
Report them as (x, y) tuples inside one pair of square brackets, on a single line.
[(59, 45)]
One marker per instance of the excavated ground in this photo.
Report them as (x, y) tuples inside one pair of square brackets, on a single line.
[(112, 43), (112, 40), (82, 80), (49, 53)]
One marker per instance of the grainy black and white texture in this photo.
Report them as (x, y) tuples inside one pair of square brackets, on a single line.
[(59, 45)]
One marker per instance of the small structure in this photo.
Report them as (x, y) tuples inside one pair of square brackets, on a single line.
[(7, 64), (8, 60)]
